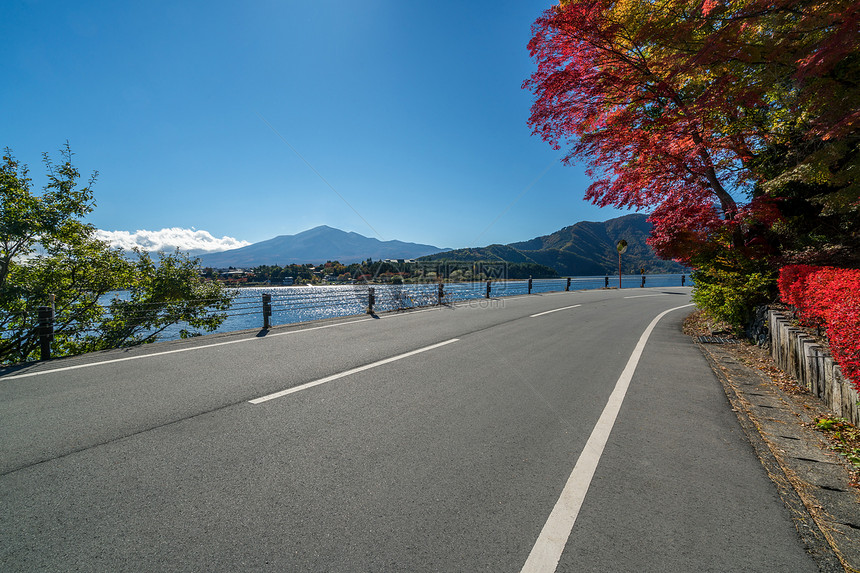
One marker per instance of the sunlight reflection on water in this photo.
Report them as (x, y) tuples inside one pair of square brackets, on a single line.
[(292, 304)]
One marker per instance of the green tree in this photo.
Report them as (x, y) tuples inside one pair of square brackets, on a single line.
[(49, 256)]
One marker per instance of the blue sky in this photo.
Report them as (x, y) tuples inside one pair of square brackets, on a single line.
[(408, 116)]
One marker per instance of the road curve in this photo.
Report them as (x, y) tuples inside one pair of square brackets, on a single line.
[(434, 440)]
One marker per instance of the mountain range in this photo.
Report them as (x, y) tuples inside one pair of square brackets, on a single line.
[(316, 246), (586, 248)]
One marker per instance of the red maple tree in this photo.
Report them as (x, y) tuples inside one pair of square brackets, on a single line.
[(670, 103)]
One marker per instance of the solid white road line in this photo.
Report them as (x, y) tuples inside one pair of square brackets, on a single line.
[(348, 372), (189, 349), (547, 549), (555, 310)]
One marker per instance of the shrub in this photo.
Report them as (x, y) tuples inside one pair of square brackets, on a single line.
[(792, 283), (731, 295), (830, 298)]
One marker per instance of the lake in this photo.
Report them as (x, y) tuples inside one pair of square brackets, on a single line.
[(291, 304)]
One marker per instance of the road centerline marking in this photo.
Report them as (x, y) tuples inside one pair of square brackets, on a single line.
[(554, 310), (345, 373), (646, 295), (549, 546)]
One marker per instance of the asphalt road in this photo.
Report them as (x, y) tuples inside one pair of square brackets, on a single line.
[(449, 439)]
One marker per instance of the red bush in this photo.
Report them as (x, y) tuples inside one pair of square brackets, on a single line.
[(828, 297), (792, 283)]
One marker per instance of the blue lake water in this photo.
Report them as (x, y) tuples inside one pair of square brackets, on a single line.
[(291, 304)]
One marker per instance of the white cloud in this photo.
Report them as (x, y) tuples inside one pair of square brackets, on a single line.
[(191, 241)]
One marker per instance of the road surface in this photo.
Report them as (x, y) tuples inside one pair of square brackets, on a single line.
[(573, 431)]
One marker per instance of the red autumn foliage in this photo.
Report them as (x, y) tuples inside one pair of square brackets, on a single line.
[(684, 230), (606, 84), (673, 103), (828, 297), (792, 283)]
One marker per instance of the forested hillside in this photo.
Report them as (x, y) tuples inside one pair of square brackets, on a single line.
[(586, 248)]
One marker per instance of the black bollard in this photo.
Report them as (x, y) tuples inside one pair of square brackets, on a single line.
[(567, 288), (46, 331), (530, 285), (267, 310), (488, 289), (606, 284)]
